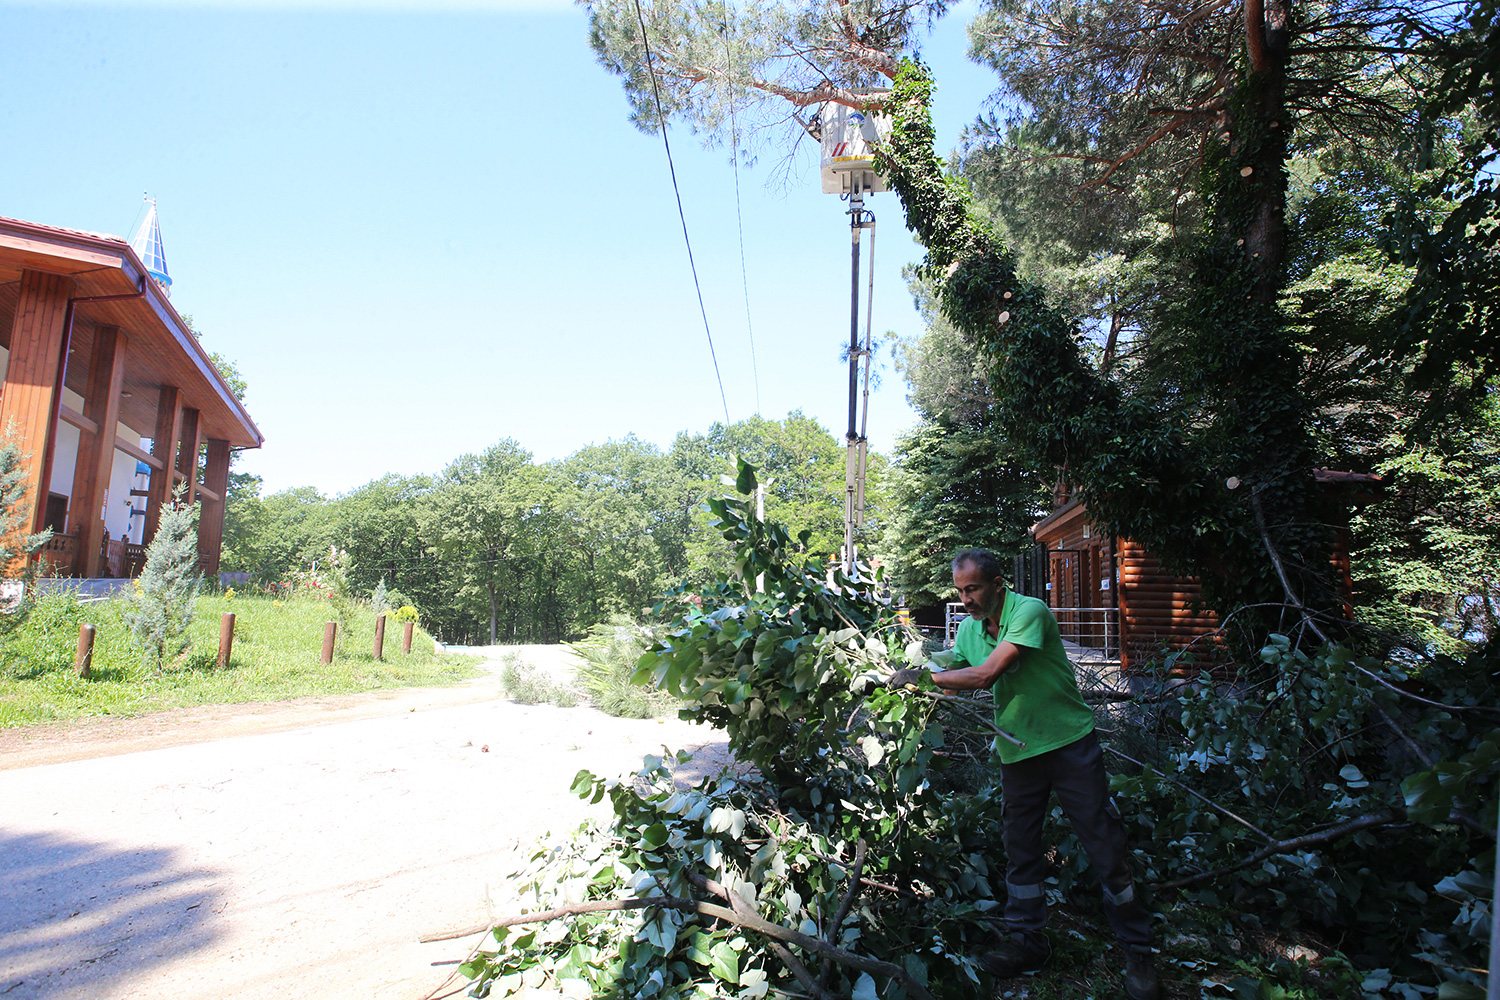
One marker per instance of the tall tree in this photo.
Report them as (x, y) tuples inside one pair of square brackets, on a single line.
[(491, 516)]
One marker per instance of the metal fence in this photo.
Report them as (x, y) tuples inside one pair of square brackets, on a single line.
[(1093, 633)]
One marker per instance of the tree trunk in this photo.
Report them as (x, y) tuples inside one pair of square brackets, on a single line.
[(1266, 43), (491, 586)]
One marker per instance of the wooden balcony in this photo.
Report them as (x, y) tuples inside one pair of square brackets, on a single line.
[(121, 559)]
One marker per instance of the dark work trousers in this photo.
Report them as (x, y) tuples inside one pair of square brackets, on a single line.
[(1076, 773)]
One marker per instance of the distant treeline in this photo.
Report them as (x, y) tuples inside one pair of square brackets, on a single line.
[(501, 547)]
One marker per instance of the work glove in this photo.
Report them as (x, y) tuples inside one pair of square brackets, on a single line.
[(909, 675)]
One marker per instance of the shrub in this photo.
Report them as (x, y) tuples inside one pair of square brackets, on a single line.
[(47, 640), (530, 685), (161, 607), (609, 655), (405, 613)]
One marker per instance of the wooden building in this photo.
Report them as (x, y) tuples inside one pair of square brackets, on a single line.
[(1111, 595), (110, 398)]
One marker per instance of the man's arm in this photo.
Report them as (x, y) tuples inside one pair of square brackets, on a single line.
[(973, 678)]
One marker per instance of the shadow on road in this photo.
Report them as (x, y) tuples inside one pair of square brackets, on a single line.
[(77, 915)]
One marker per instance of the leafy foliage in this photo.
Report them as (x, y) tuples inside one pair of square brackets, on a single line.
[(161, 605), (500, 544), (531, 685), (834, 774), (16, 540), (608, 656)]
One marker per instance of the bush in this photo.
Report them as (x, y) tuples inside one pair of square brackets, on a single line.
[(530, 685), (161, 607), (48, 638), (609, 655)]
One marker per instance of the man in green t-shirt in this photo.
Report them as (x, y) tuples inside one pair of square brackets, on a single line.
[(1010, 644)]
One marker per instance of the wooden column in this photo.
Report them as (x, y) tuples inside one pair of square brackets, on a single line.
[(164, 450), (27, 402), (191, 443), (211, 518), (96, 451)]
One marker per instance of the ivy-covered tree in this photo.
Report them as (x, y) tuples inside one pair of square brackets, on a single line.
[(161, 605)]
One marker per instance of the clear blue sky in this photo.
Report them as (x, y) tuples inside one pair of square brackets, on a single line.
[(420, 228)]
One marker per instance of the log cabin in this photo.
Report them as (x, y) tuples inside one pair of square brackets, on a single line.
[(1112, 596), (110, 398)]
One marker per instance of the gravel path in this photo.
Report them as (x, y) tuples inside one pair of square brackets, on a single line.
[(301, 858)]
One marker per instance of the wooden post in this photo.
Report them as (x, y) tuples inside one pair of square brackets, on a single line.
[(329, 631), (226, 638), (83, 660), (380, 636), (164, 450), (211, 516), (190, 437), (406, 637), (96, 451)]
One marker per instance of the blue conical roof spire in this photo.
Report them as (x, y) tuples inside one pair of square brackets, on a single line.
[(147, 246)]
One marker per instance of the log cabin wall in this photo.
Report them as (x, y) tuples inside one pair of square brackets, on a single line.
[(1159, 611)]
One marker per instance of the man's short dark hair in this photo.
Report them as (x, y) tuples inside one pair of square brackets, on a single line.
[(984, 560)]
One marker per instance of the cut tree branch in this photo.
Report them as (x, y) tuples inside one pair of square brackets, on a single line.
[(749, 921), (850, 895), (1381, 817)]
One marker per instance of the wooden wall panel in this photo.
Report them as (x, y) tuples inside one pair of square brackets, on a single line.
[(164, 450), (31, 380), (1158, 609), (10, 294)]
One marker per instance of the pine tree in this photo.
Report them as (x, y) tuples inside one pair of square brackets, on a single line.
[(162, 606), (378, 601), (16, 543), (15, 511)]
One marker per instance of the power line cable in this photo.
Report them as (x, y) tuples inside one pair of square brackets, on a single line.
[(662, 118), (734, 140)]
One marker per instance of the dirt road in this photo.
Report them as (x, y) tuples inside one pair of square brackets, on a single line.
[(299, 857)]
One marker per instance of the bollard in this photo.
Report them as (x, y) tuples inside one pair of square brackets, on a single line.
[(83, 660), (380, 636), (406, 637), (226, 638), (329, 631)]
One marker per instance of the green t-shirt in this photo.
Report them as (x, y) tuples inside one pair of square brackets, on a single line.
[(1037, 700)]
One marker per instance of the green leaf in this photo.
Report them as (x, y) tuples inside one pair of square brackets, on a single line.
[(655, 835), (725, 963), (744, 481), (1455, 989), (754, 984), (864, 988)]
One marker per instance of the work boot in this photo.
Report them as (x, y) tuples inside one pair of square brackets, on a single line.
[(1140, 976), (1018, 954)]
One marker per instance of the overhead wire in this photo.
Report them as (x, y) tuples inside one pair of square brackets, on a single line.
[(682, 215), (734, 144)]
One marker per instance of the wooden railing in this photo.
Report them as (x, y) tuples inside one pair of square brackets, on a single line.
[(58, 555)]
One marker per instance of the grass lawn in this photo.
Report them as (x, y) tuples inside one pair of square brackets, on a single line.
[(277, 647)]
